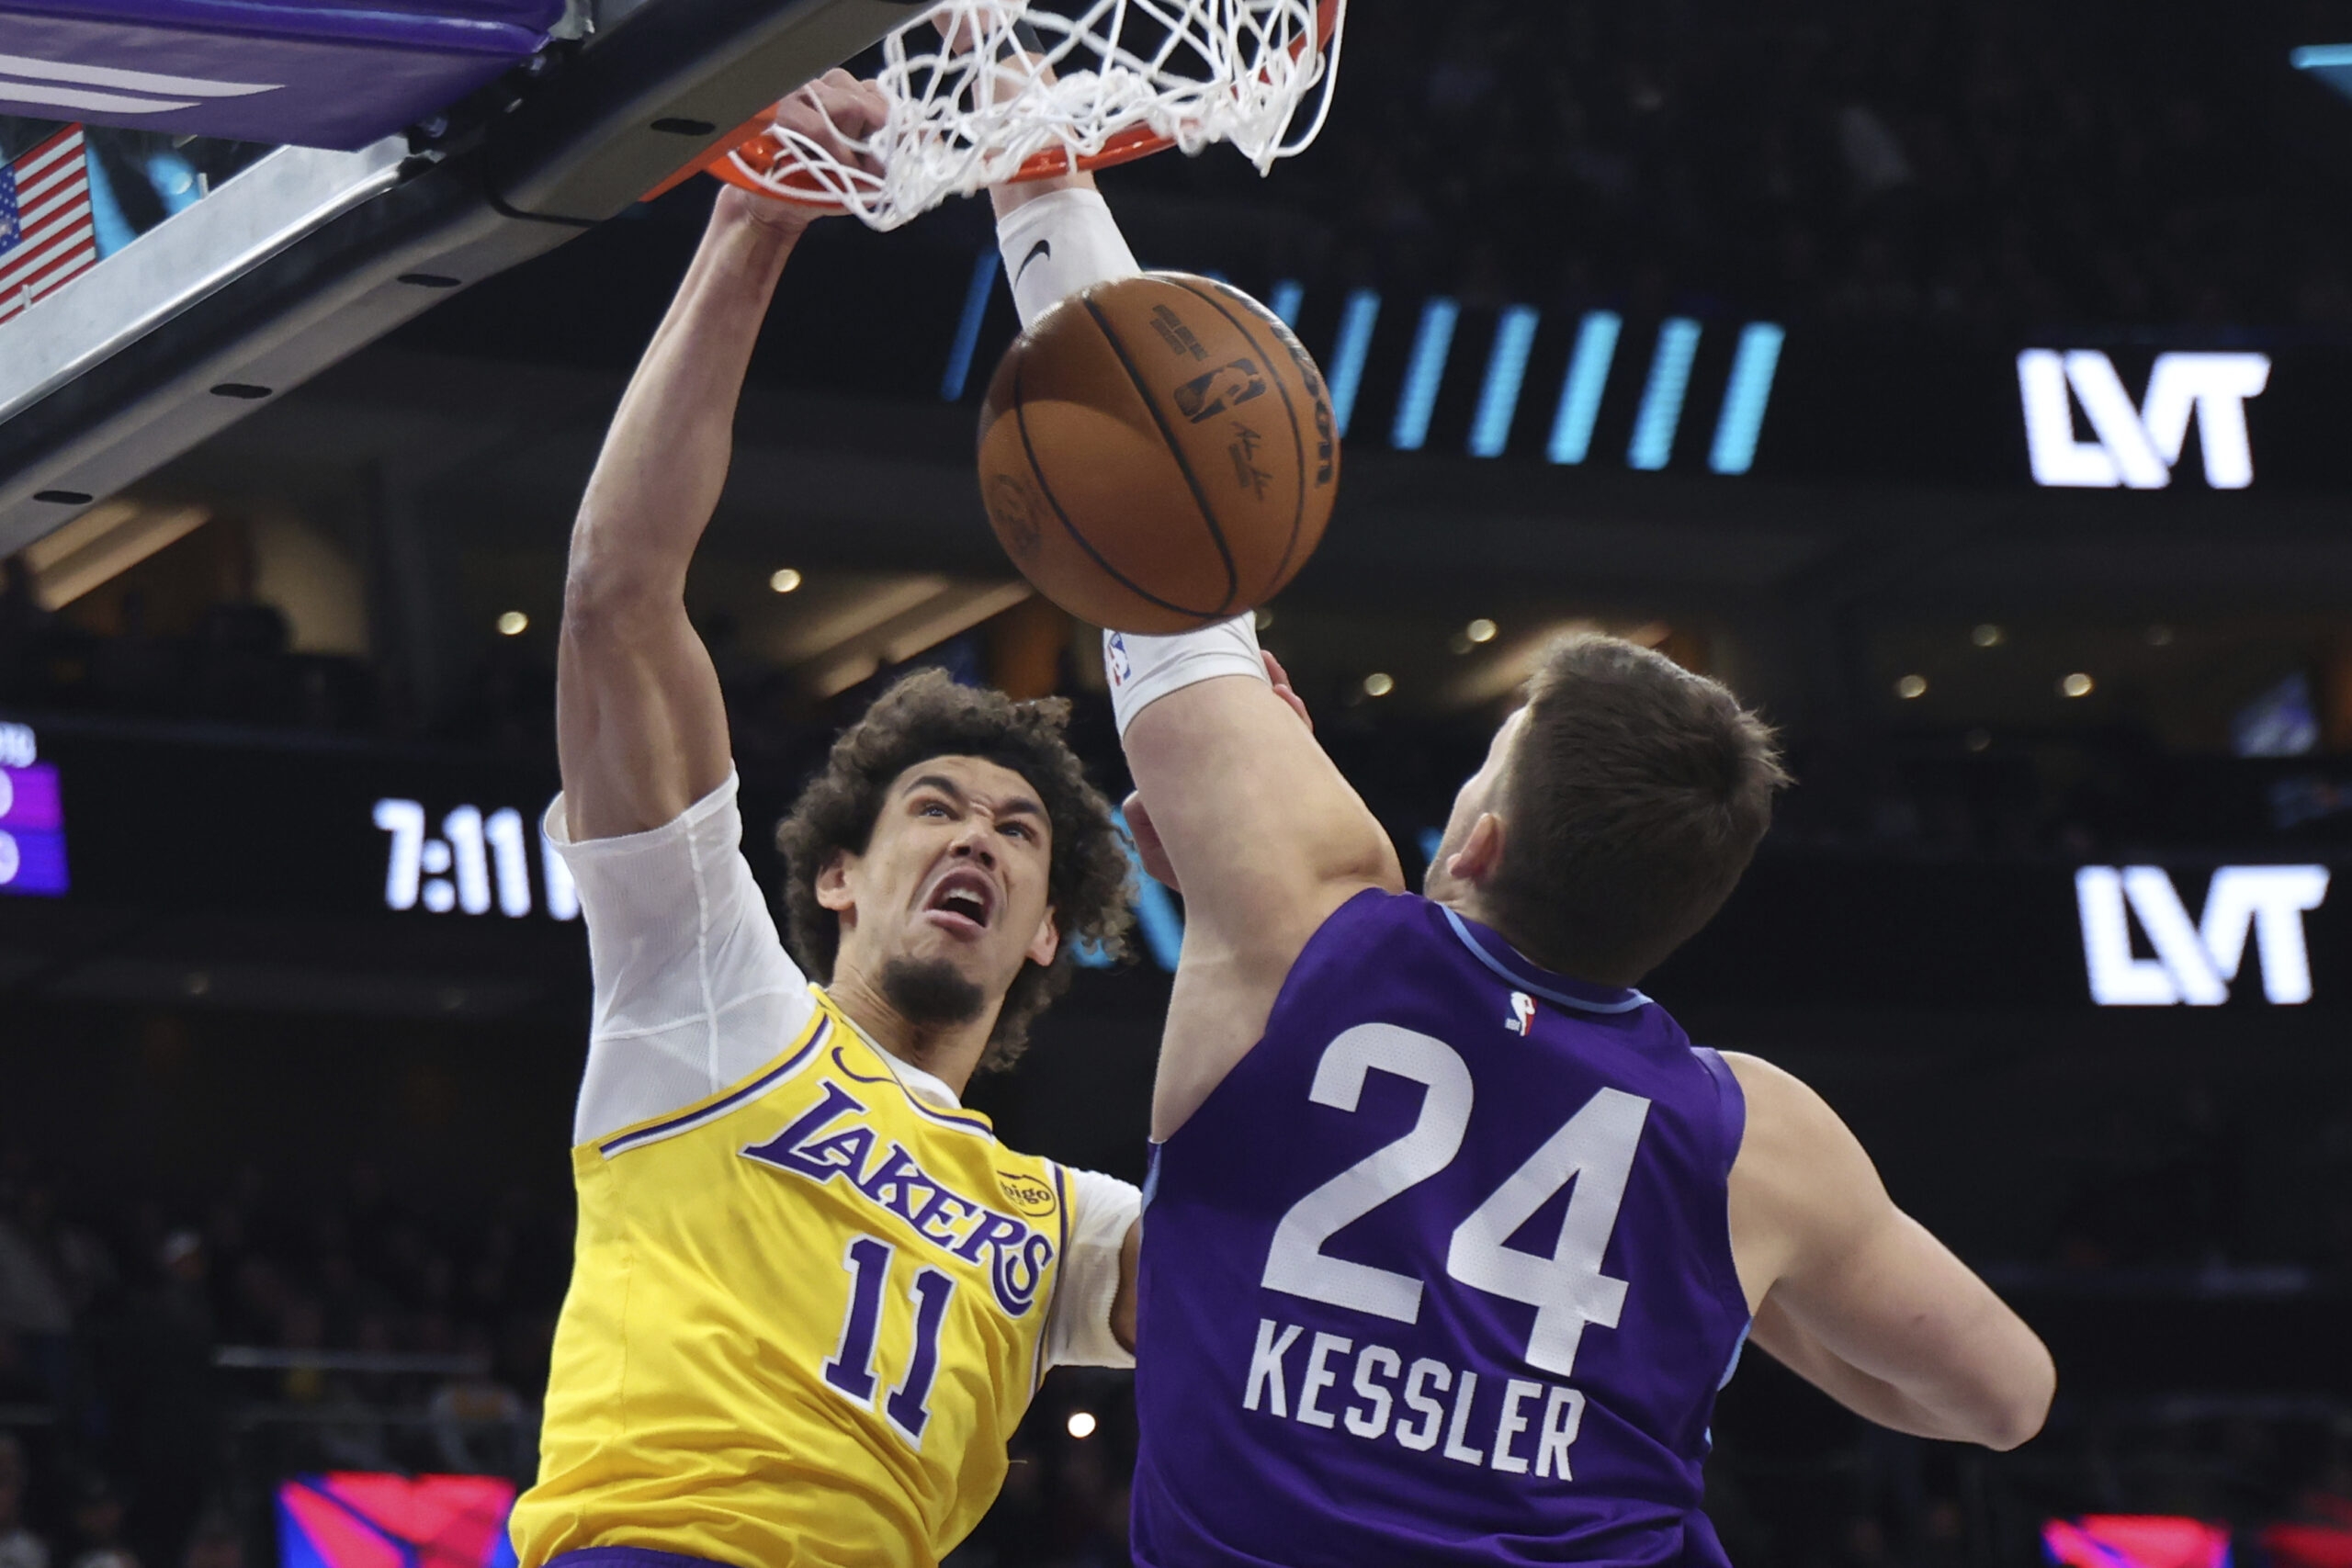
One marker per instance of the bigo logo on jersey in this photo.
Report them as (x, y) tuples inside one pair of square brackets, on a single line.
[(2195, 962)]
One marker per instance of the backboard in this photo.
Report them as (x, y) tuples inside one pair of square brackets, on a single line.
[(296, 256)]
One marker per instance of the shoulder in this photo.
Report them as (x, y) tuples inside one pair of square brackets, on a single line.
[(1800, 1166), (1780, 1105), (1361, 933), (1357, 922), (1101, 1207)]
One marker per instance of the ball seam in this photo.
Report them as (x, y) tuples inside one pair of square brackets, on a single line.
[(1297, 439), (1167, 436), (1046, 488)]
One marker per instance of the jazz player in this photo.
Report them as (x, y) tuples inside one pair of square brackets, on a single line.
[(1452, 1234), (812, 1295)]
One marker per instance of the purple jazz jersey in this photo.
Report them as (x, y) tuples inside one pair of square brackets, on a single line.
[(1442, 1272)]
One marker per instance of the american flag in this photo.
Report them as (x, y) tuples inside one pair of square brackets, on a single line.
[(46, 235)]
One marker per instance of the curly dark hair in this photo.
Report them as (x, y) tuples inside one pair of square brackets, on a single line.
[(924, 716)]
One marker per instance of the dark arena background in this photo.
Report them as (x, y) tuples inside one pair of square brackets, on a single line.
[(1968, 383)]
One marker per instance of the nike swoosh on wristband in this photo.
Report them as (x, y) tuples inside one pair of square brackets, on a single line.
[(1042, 248)]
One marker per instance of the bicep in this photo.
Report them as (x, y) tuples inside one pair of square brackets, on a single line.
[(1266, 837), (1094, 1311), (1847, 1267), (640, 722), (693, 988)]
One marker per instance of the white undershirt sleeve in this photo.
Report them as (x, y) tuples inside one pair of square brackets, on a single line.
[(1057, 245), (1101, 1209), (693, 990)]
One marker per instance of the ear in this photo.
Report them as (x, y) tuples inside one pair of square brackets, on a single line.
[(833, 884), (1480, 853), (1046, 942)]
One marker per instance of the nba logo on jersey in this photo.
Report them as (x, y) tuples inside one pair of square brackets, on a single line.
[(1523, 1013), (1117, 649)]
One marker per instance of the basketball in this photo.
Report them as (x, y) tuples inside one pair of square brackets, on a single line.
[(1158, 453)]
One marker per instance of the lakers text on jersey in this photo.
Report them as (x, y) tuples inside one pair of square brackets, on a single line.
[(805, 1317)]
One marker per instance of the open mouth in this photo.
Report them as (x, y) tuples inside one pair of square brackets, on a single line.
[(962, 899)]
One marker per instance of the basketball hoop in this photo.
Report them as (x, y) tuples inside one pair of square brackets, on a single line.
[(986, 92)]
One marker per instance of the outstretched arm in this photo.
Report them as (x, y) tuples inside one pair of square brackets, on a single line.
[(1855, 1296), (1262, 832), (641, 728), (1257, 827)]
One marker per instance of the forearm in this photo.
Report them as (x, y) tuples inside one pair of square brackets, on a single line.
[(640, 722), (1056, 237), (664, 462), (1873, 1399), (1011, 198), (1937, 1353)]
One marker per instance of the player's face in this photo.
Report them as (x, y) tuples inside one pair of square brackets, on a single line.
[(955, 875), (1475, 799)]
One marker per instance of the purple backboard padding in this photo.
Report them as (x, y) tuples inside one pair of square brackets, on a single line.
[(345, 76), (38, 863), (488, 21), (29, 799)]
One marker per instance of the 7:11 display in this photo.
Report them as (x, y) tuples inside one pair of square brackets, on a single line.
[(474, 857)]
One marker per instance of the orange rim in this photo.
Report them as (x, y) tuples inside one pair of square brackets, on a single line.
[(751, 142)]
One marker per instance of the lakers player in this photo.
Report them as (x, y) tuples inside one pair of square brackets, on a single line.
[(812, 1295), (1453, 1234)]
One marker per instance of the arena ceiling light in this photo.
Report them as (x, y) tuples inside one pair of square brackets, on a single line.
[(860, 627), (102, 544), (1508, 664)]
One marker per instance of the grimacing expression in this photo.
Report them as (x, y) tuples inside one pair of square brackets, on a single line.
[(955, 871), (1480, 794)]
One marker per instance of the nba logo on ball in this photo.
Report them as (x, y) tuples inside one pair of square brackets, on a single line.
[(1523, 1013), (1156, 453), (1014, 509), (1204, 397)]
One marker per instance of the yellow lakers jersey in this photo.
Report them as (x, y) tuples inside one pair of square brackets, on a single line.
[(805, 1317)]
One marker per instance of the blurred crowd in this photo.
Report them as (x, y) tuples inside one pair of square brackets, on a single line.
[(164, 1360), (169, 1353), (1980, 165), (235, 665)]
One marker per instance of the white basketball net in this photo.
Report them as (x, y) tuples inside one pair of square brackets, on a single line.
[(967, 115)]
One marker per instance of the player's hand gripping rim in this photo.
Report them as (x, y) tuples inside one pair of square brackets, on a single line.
[(836, 112)]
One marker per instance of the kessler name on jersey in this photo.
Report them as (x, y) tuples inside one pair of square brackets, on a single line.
[(824, 1144), (1531, 1427)]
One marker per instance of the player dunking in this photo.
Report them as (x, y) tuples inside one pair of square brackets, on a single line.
[(1452, 1234), (812, 1295)]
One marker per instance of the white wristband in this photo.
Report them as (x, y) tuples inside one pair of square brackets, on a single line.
[(1142, 669), (1057, 245)]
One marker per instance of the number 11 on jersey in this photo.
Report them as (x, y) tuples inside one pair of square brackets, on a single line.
[(850, 1368)]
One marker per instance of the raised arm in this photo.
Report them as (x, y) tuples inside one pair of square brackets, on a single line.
[(1264, 836), (1262, 833), (1855, 1296), (640, 730)]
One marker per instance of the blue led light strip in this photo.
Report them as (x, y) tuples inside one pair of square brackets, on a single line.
[(1661, 409), (1506, 369), (1288, 295), (967, 331), (1349, 354), (1750, 389), (1157, 916), (1580, 388), (1424, 373)]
